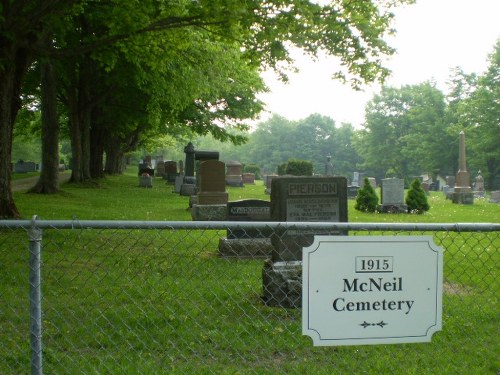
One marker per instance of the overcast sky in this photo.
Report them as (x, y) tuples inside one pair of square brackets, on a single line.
[(433, 37)]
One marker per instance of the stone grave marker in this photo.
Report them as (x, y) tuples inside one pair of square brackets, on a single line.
[(170, 171), (212, 196), (462, 193), (234, 173), (392, 196), (247, 242), (188, 186), (328, 166), (268, 179), (479, 186), (495, 196), (179, 178), (248, 178), (160, 169), (299, 199)]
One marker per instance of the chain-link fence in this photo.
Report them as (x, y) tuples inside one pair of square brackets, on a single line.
[(187, 297)]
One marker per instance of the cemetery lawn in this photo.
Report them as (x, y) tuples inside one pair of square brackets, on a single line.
[(121, 198), (153, 310)]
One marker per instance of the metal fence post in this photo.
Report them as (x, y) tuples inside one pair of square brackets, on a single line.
[(35, 240)]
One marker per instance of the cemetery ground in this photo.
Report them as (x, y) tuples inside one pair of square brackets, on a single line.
[(224, 327)]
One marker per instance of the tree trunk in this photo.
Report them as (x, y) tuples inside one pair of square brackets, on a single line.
[(114, 154), (16, 62), (48, 182), (97, 152)]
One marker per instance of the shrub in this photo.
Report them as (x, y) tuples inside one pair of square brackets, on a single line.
[(416, 198), (281, 169), (367, 199), (296, 167)]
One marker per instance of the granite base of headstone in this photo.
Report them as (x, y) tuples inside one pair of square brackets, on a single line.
[(495, 196), (247, 242), (282, 283), (392, 196), (178, 184), (299, 199), (465, 196), (268, 179), (188, 186), (447, 191), (352, 191), (146, 181), (211, 212)]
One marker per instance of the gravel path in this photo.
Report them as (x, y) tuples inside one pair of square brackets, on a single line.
[(29, 182)]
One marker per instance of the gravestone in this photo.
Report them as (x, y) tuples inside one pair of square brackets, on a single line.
[(170, 171), (188, 186), (352, 191), (179, 178), (248, 178), (146, 180), (392, 196), (479, 186), (299, 199), (234, 174), (373, 182), (462, 193), (247, 242), (495, 196), (199, 157), (268, 179), (212, 196), (329, 166), (160, 169), (449, 187), (356, 178), (25, 167)]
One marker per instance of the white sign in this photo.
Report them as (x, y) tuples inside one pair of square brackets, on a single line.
[(371, 289)]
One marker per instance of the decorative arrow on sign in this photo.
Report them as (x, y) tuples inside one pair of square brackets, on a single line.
[(381, 324)]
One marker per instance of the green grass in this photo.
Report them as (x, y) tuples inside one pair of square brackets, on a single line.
[(162, 301)]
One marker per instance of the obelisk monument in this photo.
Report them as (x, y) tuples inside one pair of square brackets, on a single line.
[(462, 192)]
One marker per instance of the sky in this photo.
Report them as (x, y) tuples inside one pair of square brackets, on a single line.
[(432, 37)]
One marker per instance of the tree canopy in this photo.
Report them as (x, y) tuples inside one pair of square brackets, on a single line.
[(172, 67)]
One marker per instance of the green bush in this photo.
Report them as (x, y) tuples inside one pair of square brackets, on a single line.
[(281, 170), (367, 199), (297, 167), (416, 198)]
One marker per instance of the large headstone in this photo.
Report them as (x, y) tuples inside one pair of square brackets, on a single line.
[(298, 199), (462, 193), (212, 189), (392, 196), (234, 173), (247, 242)]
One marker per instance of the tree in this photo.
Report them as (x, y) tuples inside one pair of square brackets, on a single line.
[(416, 199), (404, 131), (95, 34), (367, 199), (478, 114)]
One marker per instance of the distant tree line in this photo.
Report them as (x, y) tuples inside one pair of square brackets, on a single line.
[(408, 131)]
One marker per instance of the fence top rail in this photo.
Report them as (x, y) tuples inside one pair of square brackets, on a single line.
[(221, 225)]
